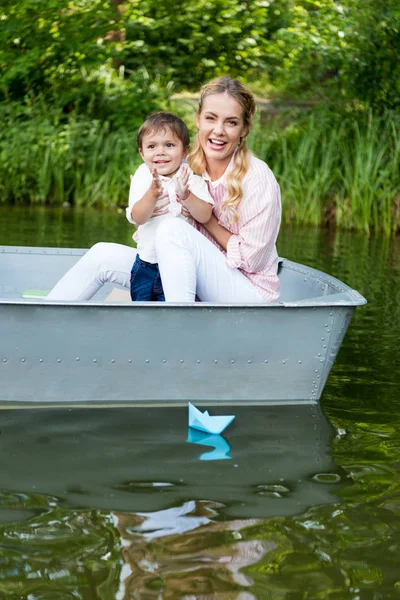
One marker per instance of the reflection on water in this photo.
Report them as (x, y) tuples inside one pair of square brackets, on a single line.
[(137, 459), (220, 446), (208, 569), (101, 505), (118, 502)]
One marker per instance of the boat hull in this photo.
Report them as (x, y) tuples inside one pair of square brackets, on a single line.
[(98, 352)]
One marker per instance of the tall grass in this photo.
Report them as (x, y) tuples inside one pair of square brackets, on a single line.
[(341, 169), (46, 160), (338, 169)]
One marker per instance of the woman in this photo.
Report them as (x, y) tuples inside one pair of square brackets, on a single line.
[(231, 258)]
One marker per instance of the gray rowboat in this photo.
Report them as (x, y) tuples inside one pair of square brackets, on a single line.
[(118, 352)]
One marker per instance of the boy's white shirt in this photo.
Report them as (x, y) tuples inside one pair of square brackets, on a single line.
[(144, 235)]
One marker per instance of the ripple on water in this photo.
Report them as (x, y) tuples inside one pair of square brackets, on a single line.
[(136, 487)]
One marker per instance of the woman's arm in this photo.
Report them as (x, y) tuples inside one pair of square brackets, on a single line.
[(251, 247), (200, 210), (218, 231)]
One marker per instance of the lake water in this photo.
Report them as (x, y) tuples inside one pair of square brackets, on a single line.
[(303, 502)]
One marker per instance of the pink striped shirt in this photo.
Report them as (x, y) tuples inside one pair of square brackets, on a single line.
[(251, 247)]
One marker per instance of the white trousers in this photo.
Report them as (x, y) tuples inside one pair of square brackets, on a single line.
[(189, 264)]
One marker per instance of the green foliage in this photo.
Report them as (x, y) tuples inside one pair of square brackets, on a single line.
[(342, 51), (67, 55), (373, 72), (190, 42), (308, 53), (46, 43), (77, 80), (340, 169)]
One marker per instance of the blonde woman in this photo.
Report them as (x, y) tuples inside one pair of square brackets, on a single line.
[(232, 257)]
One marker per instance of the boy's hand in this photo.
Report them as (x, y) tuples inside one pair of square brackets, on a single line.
[(181, 184), (156, 186)]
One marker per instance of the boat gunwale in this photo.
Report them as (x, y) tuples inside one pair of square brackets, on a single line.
[(360, 301), (135, 404)]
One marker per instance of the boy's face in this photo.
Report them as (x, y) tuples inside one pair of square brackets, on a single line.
[(162, 151)]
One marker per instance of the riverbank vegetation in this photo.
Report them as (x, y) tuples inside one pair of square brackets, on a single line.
[(76, 82)]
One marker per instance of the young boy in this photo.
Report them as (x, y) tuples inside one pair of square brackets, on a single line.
[(162, 188)]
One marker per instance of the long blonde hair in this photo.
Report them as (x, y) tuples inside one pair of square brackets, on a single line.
[(197, 159)]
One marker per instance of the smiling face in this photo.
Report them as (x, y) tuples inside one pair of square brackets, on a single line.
[(221, 126), (163, 151)]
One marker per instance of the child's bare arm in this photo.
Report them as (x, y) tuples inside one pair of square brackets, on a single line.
[(144, 208), (199, 209)]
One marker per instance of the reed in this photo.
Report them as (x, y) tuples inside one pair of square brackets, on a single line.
[(341, 169), (79, 161)]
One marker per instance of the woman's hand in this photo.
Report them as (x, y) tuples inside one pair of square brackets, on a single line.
[(200, 210)]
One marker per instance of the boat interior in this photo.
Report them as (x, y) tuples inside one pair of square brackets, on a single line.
[(29, 273)]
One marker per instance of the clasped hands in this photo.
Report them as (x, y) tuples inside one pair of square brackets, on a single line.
[(181, 187), (180, 180)]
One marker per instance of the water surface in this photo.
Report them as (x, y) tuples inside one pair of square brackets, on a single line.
[(104, 504)]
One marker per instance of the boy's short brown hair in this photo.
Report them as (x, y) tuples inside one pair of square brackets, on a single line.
[(160, 121)]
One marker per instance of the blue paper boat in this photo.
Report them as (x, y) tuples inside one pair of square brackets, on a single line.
[(207, 423)]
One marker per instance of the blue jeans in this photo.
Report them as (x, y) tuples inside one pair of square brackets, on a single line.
[(146, 282)]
